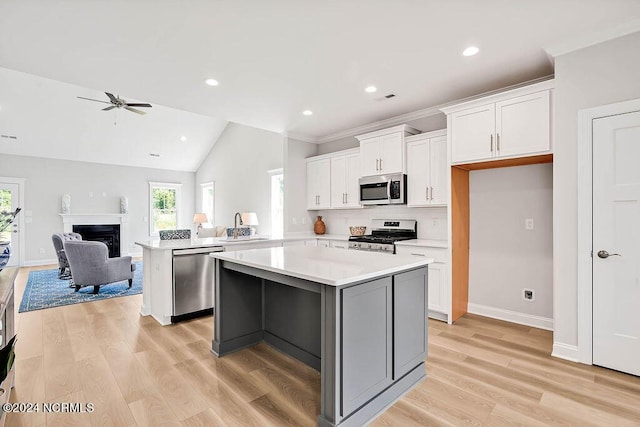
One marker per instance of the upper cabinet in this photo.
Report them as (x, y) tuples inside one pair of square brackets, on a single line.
[(332, 180), (515, 123), (345, 172), (383, 152), (427, 168), (318, 184)]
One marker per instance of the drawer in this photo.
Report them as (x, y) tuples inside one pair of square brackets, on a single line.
[(341, 244), (438, 254), (323, 243)]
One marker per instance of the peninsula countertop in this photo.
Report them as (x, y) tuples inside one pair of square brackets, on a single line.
[(212, 242), (328, 266)]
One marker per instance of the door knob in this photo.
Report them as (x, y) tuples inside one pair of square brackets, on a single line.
[(604, 254)]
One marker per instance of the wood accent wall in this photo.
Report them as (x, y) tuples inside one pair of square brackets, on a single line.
[(460, 228), (459, 241)]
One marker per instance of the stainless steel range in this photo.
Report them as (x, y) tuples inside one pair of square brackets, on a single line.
[(384, 233)]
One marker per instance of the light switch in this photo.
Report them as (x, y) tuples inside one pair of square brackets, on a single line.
[(528, 224), (90, 193)]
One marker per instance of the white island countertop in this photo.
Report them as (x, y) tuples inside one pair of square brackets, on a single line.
[(328, 266)]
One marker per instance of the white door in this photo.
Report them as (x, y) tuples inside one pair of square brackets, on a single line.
[(418, 172), (9, 201), (472, 134), (353, 174), (338, 182), (438, 169), (522, 125), (370, 156), (391, 156), (616, 242)]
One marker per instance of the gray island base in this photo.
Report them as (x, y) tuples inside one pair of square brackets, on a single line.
[(361, 322)]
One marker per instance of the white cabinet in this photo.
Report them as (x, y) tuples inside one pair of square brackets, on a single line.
[(345, 172), (427, 169), (332, 180), (340, 244), (323, 243), (383, 152), (512, 124), (439, 286), (319, 184)]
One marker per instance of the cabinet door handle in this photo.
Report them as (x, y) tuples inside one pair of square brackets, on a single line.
[(380, 164), (427, 195), (418, 254), (497, 141), (431, 192), (492, 143), (346, 198)]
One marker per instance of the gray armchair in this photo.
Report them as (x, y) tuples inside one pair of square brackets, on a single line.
[(63, 264), (92, 266)]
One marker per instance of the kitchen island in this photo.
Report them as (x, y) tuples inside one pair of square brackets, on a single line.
[(159, 269), (358, 319)]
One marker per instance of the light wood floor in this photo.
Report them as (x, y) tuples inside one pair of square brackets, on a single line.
[(135, 372)]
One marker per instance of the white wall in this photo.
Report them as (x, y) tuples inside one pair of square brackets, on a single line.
[(504, 257), (238, 165), (48, 179), (296, 217), (602, 74)]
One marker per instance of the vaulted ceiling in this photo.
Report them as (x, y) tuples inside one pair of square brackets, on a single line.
[(274, 59)]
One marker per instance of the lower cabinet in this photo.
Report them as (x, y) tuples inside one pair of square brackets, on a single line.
[(385, 323), (439, 288), (366, 320)]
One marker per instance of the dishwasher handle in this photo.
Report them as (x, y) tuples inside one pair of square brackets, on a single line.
[(178, 252)]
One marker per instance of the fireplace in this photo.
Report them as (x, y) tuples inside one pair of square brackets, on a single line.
[(109, 234)]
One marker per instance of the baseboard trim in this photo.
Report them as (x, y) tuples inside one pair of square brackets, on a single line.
[(511, 316), (39, 262), (566, 352)]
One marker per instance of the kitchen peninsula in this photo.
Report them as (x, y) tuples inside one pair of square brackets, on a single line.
[(359, 319)]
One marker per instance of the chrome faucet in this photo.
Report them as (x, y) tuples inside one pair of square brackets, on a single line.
[(235, 224)]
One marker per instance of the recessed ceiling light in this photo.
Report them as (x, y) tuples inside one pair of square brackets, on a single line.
[(470, 51), (307, 112), (370, 89), (183, 138), (211, 82)]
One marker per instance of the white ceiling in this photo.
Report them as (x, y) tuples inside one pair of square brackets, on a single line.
[(276, 58)]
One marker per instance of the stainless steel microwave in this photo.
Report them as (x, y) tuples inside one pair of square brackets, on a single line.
[(383, 190)]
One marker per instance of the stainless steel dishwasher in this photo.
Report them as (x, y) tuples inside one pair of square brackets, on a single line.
[(193, 282)]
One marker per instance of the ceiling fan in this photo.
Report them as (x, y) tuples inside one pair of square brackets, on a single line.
[(117, 102)]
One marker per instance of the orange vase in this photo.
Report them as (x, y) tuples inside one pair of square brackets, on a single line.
[(319, 227)]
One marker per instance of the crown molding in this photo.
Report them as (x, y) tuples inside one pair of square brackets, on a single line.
[(300, 137), (591, 38), (381, 124)]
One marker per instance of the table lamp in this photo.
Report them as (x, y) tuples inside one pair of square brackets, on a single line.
[(250, 218), (199, 218)]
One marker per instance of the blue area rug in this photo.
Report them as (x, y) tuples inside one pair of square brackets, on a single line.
[(45, 290)]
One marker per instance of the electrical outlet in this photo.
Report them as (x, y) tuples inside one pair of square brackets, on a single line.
[(304, 220), (294, 221), (528, 224), (434, 222), (528, 295)]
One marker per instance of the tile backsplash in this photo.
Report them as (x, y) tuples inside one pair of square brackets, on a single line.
[(432, 222)]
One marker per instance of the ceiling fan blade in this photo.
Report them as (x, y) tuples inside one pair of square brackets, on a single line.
[(137, 105), (113, 99), (96, 100), (109, 108), (134, 110)]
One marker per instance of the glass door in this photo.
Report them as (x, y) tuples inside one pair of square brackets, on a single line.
[(9, 201)]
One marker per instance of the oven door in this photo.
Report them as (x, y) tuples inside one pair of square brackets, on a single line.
[(383, 190)]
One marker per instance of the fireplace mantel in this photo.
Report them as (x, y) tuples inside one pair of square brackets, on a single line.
[(69, 220)]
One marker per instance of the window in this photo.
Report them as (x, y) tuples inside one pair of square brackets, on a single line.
[(164, 206), (207, 201), (277, 201)]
